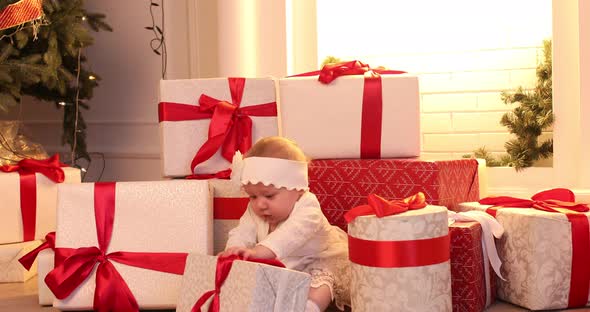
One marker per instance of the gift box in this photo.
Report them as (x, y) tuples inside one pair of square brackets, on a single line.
[(10, 269), (138, 232), (377, 117), (541, 252), (196, 140), (40, 200), (45, 261), (343, 184), (400, 262), (468, 269), (229, 204), (249, 286)]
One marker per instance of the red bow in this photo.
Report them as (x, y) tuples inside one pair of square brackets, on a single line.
[(73, 266), (553, 200), (28, 259), (224, 265), (51, 168), (332, 71), (560, 200), (382, 207), (26, 168), (230, 128)]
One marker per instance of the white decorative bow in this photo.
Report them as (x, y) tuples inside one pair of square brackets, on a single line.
[(491, 228), (237, 166)]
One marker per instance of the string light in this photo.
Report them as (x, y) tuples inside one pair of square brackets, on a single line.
[(62, 103), (83, 17), (91, 77)]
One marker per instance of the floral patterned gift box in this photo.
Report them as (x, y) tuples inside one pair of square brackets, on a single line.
[(545, 249), (243, 286), (400, 256)]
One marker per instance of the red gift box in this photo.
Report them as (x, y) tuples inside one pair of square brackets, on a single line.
[(468, 281), (341, 184)]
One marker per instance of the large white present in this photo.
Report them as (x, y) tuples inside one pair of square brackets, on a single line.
[(399, 257), (538, 247), (27, 189), (138, 232), (229, 204), (10, 269), (188, 124), (249, 286), (352, 116)]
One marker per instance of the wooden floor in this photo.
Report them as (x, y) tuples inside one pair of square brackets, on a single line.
[(22, 297)]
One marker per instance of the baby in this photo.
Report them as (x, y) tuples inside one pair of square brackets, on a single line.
[(284, 221)]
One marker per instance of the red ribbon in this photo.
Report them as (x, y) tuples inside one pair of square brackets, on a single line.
[(395, 254), (560, 200), (28, 259), (231, 126), (399, 254), (224, 265), (73, 266), (382, 207), (372, 112), (26, 168), (229, 208)]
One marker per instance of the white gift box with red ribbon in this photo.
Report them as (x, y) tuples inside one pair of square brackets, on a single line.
[(214, 125), (355, 116), (45, 194), (136, 233)]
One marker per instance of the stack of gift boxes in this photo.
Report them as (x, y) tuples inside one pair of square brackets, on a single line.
[(150, 245)]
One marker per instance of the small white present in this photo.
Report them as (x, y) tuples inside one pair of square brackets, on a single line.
[(249, 286), (10, 269), (29, 198)]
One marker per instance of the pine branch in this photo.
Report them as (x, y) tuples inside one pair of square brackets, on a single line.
[(46, 68), (531, 117)]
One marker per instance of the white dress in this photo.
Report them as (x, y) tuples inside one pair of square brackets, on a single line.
[(306, 242)]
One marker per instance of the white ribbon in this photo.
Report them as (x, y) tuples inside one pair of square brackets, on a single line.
[(237, 166), (490, 228)]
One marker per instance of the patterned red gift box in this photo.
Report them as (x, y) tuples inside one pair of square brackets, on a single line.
[(341, 184), (467, 268)]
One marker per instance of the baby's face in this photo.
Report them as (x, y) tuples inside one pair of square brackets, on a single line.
[(270, 203)]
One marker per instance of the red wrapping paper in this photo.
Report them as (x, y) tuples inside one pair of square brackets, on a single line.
[(467, 268), (341, 184)]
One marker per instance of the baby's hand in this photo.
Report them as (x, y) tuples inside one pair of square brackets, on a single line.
[(256, 252), (230, 251), (240, 251)]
